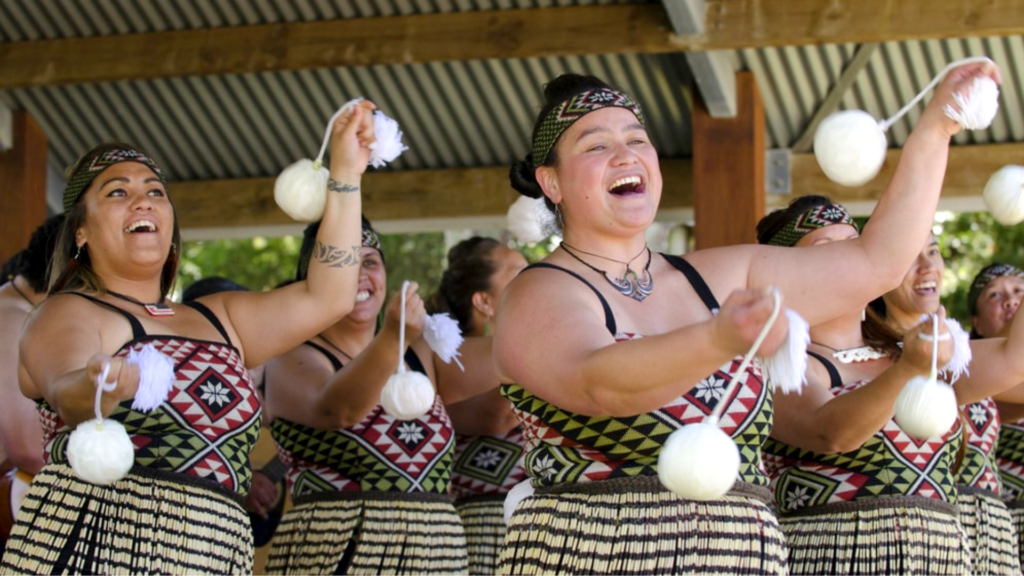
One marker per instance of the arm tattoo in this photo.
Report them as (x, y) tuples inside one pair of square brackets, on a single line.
[(335, 186), (334, 257)]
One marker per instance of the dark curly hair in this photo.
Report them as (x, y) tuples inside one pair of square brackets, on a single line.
[(33, 262)]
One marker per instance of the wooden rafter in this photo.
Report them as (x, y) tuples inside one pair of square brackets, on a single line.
[(516, 33)]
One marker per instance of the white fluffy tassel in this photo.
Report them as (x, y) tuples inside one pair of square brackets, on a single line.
[(444, 337), (977, 108), (100, 450), (388, 136), (1004, 195), (850, 147), (406, 395), (529, 220), (787, 368), (517, 494), (156, 377), (962, 355)]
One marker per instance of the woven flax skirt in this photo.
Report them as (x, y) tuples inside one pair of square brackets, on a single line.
[(150, 522), (885, 535), (990, 532), (1017, 513), (634, 526), (369, 533), (484, 520)]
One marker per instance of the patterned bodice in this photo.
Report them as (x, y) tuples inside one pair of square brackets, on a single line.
[(979, 468), (890, 463), (566, 447), (207, 427), (488, 464), (1010, 458)]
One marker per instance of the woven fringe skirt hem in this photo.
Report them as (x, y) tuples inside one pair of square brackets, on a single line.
[(991, 532), (885, 535), (1017, 513), (149, 522), (634, 526), (483, 517), (369, 533)]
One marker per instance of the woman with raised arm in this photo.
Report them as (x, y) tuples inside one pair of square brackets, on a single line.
[(607, 348), (178, 509), (854, 492), (996, 370), (371, 491), (489, 443)]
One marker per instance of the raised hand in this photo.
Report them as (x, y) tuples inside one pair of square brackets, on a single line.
[(741, 318), (351, 137)]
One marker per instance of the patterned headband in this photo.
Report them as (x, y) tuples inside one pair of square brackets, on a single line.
[(370, 239), (814, 218), (567, 113), (987, 275), (86, 173)]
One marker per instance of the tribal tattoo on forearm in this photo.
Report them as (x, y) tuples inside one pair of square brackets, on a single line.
[(334, 257), (335, 186)]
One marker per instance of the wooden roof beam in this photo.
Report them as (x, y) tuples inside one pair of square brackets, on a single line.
[(496, 34)]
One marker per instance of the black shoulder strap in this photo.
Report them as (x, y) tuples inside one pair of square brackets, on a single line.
[(209, 315), (334, 361), (696, 280), (833, 373), (414, 361), (137, 330), (609, 318)]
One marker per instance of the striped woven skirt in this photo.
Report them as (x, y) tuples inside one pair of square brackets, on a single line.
[(148, 522), (1017, 513), (990, 531), (369, 533), (483, 517), (635, 526), (885, 535)]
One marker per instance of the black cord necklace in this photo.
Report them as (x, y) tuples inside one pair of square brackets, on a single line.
[(631, 285), (155, 309), (343, 353), (20, 293)]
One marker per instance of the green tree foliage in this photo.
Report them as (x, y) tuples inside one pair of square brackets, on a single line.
[(257, 263)]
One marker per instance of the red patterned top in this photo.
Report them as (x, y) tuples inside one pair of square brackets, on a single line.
[(488, 464)]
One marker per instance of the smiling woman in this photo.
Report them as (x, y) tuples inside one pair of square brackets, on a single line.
[(178, 509)]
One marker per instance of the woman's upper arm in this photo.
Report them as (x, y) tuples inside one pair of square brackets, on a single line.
[(293, 385), (476, 376), (794, 421), (60, 337), (548, 324)]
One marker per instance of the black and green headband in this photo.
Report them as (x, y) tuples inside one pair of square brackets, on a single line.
[(816, 217), (561, 117), (987, 275), (87, 171)]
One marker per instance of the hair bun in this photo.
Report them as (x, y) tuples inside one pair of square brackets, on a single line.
[(523, 178)]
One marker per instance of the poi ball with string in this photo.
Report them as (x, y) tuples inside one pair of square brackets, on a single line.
[(1004, 195), (699, 462), (926, 408), (100, 451), (406, 395), (850, 147), (301, 190)]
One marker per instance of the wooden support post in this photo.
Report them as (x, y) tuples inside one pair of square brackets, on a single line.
[(22, 185), (728, 169)]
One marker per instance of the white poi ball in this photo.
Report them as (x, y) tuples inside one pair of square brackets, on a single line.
[(301, 190), (926, 409), (517, 494), (850, 147), (699, 462), (100, 451), (407, 395), (1004, 195)]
